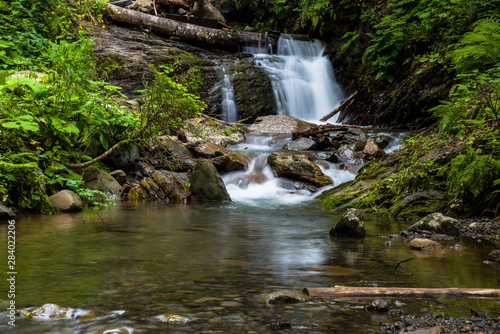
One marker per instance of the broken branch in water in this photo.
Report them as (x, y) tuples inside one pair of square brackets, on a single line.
[(400, 262)]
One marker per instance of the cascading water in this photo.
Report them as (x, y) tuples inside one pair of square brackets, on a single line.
[(228, 103), (303, 80)]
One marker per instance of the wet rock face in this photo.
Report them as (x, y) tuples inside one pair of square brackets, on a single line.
[(207, 185), (350, 225), (437, 223), (298, 167), (126, 56), (253, 92)]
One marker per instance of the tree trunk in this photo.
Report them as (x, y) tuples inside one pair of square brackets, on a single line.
[(198, 35), (340, 107), (346, 292), (314, 130)]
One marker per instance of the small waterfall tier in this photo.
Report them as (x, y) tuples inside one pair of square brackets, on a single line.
[(303, 80)]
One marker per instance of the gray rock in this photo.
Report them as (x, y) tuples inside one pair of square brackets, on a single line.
[(350, 225), (119, 175), (124, 158), (175, 148), (347, 154), (285, 297), (278, 124), (379, 305), (97, 179), (438, 223), (301, 144), (298, 167), (5, 211), (66, 200), (206, 183), (355, 138)]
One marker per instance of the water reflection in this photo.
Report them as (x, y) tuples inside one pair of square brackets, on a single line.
[(213, 264)]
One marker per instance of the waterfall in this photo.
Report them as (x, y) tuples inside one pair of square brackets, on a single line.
[(302, 78), (228, 103)]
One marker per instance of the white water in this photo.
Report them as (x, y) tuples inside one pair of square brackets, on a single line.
[(303, 80), (228, 103)]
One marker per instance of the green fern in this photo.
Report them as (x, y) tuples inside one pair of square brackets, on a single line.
[(479, 49)]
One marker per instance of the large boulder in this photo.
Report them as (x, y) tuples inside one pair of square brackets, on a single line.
[(437, 223), (175, 147), (350, 225), (298, 167), (66, 200), (278, 124), (163, 185), (97, 179), (206, 183)]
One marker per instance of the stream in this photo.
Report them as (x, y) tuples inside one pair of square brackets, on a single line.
[(154, 267)]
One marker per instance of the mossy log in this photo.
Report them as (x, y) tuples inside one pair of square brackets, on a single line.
[(187, 32), (348, 292)]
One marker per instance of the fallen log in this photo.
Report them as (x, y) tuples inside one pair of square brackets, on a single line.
[(187, 32), (314, 130), (340, 107), (347, 292)]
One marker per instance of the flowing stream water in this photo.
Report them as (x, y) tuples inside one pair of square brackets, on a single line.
[(207, 268)]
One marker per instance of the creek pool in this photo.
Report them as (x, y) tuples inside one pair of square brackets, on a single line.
[(211, 266)]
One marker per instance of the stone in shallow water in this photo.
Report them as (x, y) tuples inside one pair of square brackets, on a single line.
[(231, 303), (173, 318), (285, 297), (56, 312)]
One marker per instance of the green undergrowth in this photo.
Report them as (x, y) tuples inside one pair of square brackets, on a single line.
[(57, 111)]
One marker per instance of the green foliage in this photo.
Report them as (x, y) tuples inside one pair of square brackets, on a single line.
[(22, 183), (167, 106), (479, 49)]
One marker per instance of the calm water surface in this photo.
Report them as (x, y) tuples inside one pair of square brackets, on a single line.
[(213, 265)]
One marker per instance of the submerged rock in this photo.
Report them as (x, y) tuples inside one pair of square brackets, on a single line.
[(56, 312), (66, 200), (425, 245), (285, 297), (350, 225), (206, 183), (494, 256), (298, 167), (437, 223)]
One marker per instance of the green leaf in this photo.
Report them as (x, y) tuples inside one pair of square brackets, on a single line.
[(29, 126)]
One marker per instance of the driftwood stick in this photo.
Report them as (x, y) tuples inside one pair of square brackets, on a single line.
[(314, 130), (347, 292), (340, 107), (99, 158), (397, 265)]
